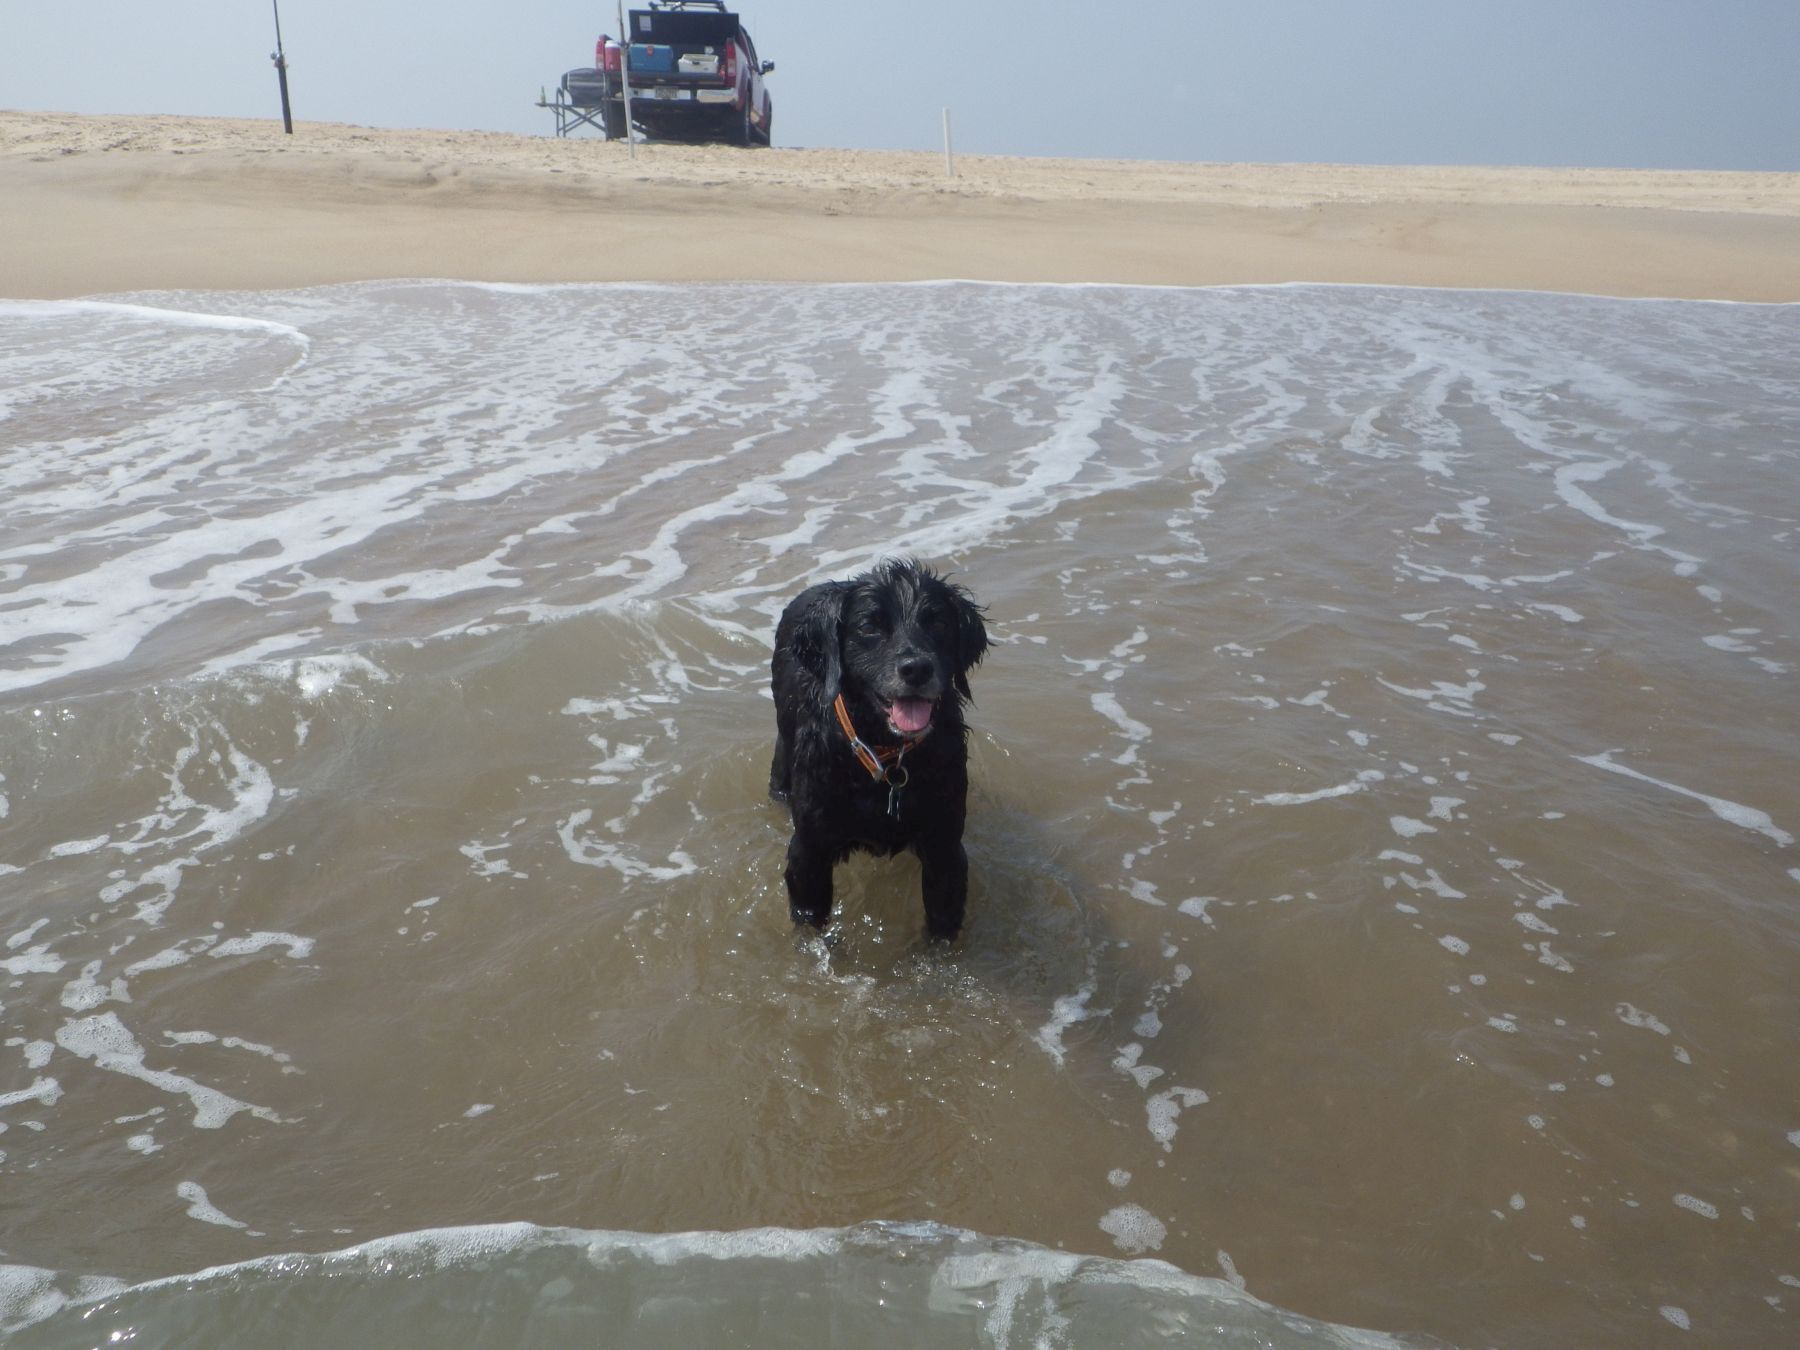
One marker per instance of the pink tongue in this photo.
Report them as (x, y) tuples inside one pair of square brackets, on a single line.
[(911, 715)]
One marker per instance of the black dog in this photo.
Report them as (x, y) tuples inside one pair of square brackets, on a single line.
[(870, 677)]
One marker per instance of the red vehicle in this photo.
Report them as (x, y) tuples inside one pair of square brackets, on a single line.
[(693, 74)]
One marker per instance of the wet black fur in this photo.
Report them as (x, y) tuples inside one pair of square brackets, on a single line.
[(897, 630)]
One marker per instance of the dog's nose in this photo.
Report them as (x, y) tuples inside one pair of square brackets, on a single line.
[(916, 670)]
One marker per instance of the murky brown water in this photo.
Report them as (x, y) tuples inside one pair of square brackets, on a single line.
[(1384, 891)]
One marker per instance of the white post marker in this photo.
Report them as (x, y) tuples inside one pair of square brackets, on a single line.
[(625, 78), (949, 162)]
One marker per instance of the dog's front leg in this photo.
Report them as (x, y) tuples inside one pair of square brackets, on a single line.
[(944, 872), (808, 883)]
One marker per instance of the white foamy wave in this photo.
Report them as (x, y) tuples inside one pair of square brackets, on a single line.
[(152, 314), (938, 1286), (592, 851), (201, 1208), (29, 1295), (104, 1041), (442, 456), (1065, 1013), (1357, 784), (43, 1091), (1134, 1229), (1734, 813)]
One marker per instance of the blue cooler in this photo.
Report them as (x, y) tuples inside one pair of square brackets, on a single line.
[(649, 58)]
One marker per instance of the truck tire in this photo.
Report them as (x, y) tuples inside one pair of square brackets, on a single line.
[(613, 118)]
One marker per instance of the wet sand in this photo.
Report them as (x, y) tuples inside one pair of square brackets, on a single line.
[(102, 204)]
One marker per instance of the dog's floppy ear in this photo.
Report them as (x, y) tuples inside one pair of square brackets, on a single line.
[(971, 637), (817, 643)]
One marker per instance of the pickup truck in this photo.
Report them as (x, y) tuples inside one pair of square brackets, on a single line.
[(693, 75)]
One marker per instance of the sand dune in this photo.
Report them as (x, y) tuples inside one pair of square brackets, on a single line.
[(102, 204)]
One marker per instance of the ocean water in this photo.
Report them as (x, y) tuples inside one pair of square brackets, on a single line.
[(1385, 902)]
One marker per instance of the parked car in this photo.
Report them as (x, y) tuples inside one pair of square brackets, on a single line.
[(693, 74)]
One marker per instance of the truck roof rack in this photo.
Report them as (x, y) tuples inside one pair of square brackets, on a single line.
[(688, 4)]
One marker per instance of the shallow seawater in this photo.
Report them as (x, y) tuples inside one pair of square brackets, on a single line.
[(1385, 896)]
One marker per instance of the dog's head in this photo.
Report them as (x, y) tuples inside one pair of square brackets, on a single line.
[(903, 641)]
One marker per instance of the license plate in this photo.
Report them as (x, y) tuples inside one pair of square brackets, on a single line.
[(664, 91)]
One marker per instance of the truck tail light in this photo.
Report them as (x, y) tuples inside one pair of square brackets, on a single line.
[(729, 68)]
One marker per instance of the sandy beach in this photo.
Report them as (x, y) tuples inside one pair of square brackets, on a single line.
[(103, 204)]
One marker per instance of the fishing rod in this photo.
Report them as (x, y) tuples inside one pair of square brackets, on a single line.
[(279, 57)]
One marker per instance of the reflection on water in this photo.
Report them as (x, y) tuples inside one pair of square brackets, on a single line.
[(1382, 838)]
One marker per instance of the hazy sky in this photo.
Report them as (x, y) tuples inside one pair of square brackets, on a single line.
[(1637, 83)]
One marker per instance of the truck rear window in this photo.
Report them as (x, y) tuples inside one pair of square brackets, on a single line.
[(683, 29)]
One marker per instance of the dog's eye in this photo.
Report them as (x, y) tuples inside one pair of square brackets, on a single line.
[(868, 627)]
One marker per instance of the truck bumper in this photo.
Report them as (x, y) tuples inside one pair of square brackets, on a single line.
[(662, 95)]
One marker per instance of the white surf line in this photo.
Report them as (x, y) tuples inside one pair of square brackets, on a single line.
[(1735, 813), (1051, 469), (1569, 478), (44, 1091), (1357, 784), (1107, 705), (105, 1042), (201, 1208), (1065, 1013), (184, 318)]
